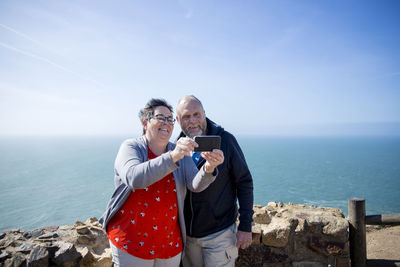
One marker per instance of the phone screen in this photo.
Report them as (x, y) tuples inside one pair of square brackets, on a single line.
[(207, 142)]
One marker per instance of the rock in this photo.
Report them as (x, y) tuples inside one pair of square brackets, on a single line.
[(66, 227), (262, 256), (78, 223), (52, 228), (104, 262), (256, 234), (87, 257), (326, 247), (17, 260), (92, 221), (85, 240), (82, 229), (261, 215), (35, 233), (4, 255), (39, 257), (27, 235), (301, 225), (6, 242), (335, 227), (48, 236), (12, 231), (342, 262), (26, 247), (276, 234), (66, 255)]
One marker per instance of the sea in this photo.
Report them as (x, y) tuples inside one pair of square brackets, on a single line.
[(60, 180)]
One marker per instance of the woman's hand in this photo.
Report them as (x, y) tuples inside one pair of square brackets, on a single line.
[(213, 159), (183, 148)]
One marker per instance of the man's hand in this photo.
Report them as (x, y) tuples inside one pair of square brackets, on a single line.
[(213, 159), (243, 239)]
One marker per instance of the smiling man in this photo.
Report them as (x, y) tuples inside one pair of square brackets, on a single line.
[(213, 236)]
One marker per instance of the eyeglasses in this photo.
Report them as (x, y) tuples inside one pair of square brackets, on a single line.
[(164, 119)]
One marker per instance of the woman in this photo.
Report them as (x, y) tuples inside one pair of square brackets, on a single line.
[(144, 218)]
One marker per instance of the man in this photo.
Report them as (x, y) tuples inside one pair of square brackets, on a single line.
[(213, 238)]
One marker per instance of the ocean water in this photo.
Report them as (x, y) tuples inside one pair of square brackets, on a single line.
[(57, 181)]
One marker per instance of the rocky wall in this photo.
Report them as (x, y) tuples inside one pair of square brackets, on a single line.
[(283, 235), (297, 235)]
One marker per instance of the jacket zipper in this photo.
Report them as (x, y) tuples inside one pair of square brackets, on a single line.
[(191, 209)]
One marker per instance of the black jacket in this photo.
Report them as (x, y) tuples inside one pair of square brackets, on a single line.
[(215, 208)]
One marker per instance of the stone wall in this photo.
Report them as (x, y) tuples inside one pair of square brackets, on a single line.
[(283, 235), (297, 235), (82, 244)]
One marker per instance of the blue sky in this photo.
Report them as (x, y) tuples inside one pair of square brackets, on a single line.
[(260, 67)]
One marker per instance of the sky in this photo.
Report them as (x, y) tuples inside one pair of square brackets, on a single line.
[(260, 67)]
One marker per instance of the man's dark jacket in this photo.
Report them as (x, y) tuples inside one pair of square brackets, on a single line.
[(215, 208)]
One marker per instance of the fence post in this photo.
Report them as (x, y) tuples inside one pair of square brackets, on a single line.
[(358, 243)]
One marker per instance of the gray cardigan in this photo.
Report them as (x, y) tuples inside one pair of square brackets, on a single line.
[(133, 170)]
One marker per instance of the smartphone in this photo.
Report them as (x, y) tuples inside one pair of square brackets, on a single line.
[(207, 142)]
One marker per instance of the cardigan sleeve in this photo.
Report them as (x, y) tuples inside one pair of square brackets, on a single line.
[(135, 170)]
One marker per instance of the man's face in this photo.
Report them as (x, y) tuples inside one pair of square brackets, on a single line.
[(192, 118)]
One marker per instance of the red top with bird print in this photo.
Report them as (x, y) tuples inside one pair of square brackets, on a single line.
[(146, 226)]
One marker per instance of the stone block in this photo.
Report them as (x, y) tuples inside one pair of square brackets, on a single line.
[(276, 234), (337, 228), (260, 255), (326, 247), (256, 239), (301, 226), (261, 216)]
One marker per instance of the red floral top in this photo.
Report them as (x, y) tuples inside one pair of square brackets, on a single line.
[(146, 226)]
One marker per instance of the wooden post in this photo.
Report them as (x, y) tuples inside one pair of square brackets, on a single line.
[(358, 243)]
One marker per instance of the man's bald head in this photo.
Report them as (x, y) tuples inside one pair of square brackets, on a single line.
[(191, 116)]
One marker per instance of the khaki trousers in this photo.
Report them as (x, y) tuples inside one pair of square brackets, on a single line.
[(215, 250)]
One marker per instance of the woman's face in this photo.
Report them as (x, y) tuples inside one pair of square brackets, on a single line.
[(158, 130)]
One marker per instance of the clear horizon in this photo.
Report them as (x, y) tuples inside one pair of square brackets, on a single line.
[(261, 68)]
